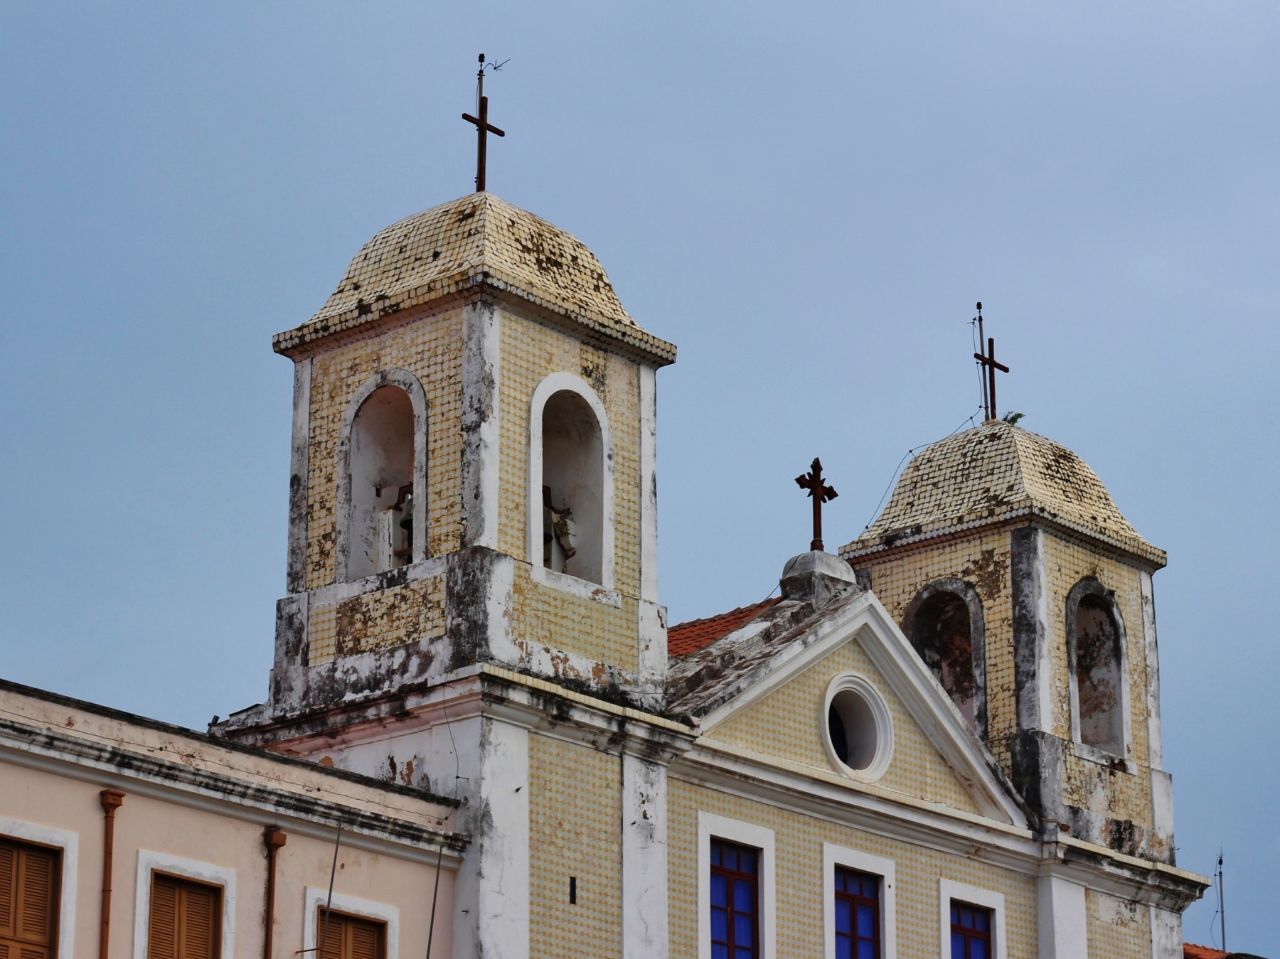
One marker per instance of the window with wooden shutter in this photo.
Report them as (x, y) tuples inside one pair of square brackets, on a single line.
[(185, 920), (28, 900), (343, 936)]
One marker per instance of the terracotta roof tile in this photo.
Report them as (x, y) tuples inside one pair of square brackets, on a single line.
[(696, 634), (1192, 951)]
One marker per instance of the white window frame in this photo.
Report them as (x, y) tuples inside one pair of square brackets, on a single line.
[(864, 688), (710, 827), (949, 891), (833, 856), (68, 843), (150, 862), (315, 897), (603, 591)]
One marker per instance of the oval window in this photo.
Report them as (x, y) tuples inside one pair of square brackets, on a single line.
[(859, 735)]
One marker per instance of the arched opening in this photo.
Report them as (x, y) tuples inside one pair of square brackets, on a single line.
[(944, 624), (380, 527), (573, 488), (1096, 641)]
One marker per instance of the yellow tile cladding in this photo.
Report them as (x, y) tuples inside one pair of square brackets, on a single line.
[(1117, 928), (574, 811), (789, 724), (429, 347), (798, 842)]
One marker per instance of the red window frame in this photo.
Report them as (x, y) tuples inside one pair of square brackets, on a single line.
[(727, 945), (970, 933), (844, 878)]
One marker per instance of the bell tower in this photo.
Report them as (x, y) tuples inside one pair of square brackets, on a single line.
[(1029, 595), (473, 470)]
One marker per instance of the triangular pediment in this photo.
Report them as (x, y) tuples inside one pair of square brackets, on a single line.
[(777, 710)]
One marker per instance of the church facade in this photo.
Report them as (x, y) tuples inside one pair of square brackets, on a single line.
[(942, 742)]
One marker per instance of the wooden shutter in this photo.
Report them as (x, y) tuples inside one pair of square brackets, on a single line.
[(348, 937), (185, 920), (28, 900)]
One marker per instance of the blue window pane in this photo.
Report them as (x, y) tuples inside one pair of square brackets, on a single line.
[(844, 948), (957, 946), (719, 891), (730, 857), (866, 949), (743, 954), (748, 861), (715, 853), (719, 925), (719, 952), (866, 920), (844, 916), (955, 915), (871, 887), (743, 896), (981, 920), (743, 933), (977, 949)]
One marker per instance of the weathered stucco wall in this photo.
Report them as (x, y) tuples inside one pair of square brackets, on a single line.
[(790, 724)]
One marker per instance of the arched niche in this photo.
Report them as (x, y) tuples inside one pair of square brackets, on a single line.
[(946, 627), (1097, 668), (382, 491), (570, 481)]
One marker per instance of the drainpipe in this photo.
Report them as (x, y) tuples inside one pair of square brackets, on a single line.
[(111, 800), (273, 838)]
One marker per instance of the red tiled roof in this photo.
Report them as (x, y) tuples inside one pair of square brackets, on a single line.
[(1192, 951), (696, 634)]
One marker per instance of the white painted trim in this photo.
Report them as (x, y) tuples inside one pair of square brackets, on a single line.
[(833, 856), (648, 484), (69, 844), (644, 859), (315, 897), (151, 862), (1155, 740), (550, 385), (574, 586), (482, 440), (1044, 661), (299, 462), (1063, 926), (866, 690), (748, 834), (949, 891), (412, 387)]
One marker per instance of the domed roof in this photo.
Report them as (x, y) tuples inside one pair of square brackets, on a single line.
[(478, 239), (994, 472)]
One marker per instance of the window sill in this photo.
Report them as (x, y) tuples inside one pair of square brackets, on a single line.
[(582, 588), (1102, 757)]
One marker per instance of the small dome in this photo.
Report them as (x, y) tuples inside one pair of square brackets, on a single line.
[(476, 239), (994, 472)]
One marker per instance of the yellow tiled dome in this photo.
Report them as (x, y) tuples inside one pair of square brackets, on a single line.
[(479, 238), (994, 472)]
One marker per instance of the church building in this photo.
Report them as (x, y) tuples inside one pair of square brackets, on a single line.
[(940, 742)]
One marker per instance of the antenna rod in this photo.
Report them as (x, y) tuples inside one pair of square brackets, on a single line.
[(1222, 900), (986, 403)]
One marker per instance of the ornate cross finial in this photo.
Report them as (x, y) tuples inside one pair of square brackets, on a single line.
[(482, 124), (821, 493), (988, 360)]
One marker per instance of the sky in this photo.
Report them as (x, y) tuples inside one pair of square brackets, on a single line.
[(808, 199)]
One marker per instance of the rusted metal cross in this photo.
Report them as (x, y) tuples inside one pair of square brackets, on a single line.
[(821, 493), (988, 360), (483, 126)]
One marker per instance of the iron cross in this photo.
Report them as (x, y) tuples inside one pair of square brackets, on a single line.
[(988, 360), (483, 126), (821, 493)]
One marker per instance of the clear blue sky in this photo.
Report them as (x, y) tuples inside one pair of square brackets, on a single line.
[(807, 199)]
